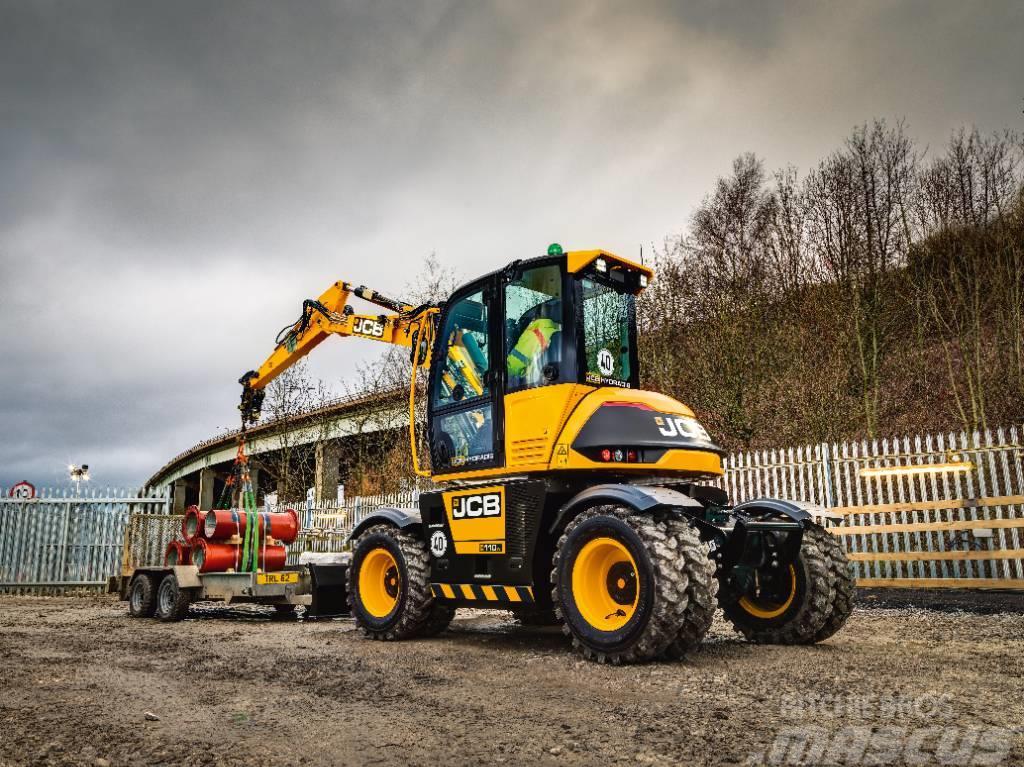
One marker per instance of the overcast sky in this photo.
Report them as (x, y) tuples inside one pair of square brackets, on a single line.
[(176, 177)]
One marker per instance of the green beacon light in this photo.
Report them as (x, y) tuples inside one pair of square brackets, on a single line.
[(554, 249)]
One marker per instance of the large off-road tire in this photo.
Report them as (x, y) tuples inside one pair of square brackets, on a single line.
[(701, 589), (620, 585), (844, 584), (796, 600), (389, 586), (171, 600), (142, 597)]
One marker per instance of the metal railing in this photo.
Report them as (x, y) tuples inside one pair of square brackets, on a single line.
[(57, 542)]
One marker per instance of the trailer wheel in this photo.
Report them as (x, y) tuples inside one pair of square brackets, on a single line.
[(389, 586), (171, 600), (793, 603), (142, 597), (284, 611), (621, 587)]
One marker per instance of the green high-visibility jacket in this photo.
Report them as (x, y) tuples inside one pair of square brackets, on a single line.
[(532, 344)]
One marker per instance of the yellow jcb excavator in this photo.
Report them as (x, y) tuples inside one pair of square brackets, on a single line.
[(570, 495)]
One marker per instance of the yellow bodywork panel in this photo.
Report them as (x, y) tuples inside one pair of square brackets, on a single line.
[(578, 260), (534, 419), (534, 415), (477, 519)]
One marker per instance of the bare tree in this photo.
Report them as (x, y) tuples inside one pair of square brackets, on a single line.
[(294, 421), (859, 204)]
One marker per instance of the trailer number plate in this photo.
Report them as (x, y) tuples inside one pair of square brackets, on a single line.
[(273, 579)]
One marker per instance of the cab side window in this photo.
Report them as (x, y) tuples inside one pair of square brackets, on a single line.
[(533, 328), (464, 345)]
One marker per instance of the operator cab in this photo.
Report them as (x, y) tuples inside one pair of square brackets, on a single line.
[(516, 350)]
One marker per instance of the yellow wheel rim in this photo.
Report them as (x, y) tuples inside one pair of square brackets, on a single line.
[(766, 608), (379, 583), (604, 584)]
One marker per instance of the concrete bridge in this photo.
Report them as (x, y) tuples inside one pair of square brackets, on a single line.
[(317, 438)]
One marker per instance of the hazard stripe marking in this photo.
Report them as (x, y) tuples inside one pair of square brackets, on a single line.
[(482, 593)]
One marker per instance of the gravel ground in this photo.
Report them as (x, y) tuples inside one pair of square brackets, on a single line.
[(82, 683)]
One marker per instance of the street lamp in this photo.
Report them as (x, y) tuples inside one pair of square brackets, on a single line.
[(78, 475)]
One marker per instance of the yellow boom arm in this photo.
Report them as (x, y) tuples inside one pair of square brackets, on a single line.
[(331, 314)]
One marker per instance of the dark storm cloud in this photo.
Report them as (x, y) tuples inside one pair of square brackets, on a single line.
[(175, 177)]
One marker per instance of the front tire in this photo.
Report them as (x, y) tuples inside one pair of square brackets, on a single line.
[(793, 604), (618, 585), (389, 586)]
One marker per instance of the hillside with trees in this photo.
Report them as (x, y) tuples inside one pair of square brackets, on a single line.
[(880, 293)]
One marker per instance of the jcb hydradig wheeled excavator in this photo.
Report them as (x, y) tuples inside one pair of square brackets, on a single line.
[(570, 494)]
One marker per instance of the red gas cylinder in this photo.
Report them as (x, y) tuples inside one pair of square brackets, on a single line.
[(192, 526), (217, 557), (222, 524), (177, 553)]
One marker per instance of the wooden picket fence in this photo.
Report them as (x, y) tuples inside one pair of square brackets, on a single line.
[(952, 529), (949, 528)]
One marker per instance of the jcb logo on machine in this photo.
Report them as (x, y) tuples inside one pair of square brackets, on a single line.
[(472, 506), (368, 327), (476, 519), (680, 426)]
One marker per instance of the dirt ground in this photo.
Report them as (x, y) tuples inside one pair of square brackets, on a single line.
[(234, 687)]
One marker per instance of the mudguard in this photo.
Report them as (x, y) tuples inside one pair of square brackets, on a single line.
[(638, 497), (400, 518), (798, 511)]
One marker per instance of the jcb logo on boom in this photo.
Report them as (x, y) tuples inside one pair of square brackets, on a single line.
[(368, 327), (474, 506)]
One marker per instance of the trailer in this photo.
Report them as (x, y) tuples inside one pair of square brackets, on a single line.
[(164, 591), (167, 592)]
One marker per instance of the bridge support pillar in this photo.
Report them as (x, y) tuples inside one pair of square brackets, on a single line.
[(178, 496), (325, 479), (206, 480)]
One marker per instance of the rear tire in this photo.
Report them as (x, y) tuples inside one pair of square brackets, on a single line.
[(142, 597), (702, 587), (389, 586), (803, 606), (619, 588), (171, 600)]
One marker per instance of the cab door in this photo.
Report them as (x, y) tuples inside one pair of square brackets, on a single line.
[(464, 423), (539, 354)]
